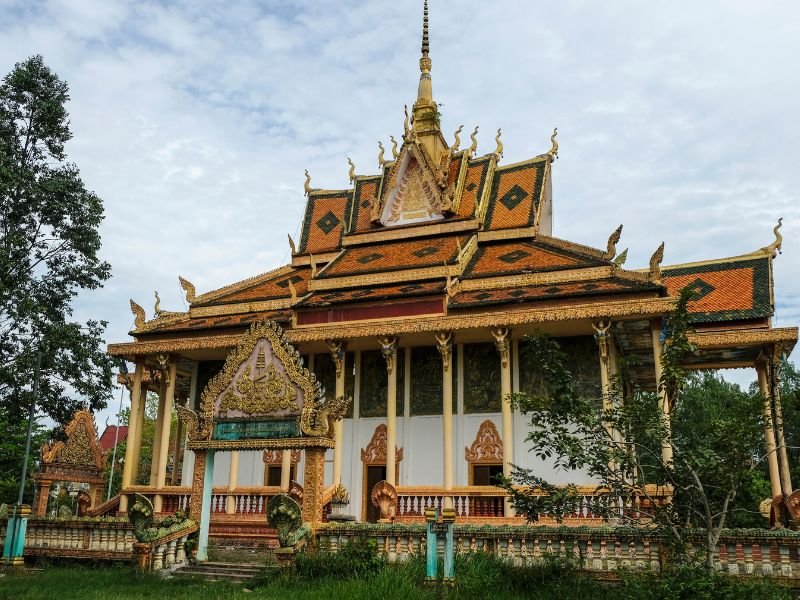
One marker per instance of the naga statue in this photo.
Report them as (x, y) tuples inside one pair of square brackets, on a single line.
[(148, 529), (284, 515)]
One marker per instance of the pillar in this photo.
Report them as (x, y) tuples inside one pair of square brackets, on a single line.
[(139, 431), (313, 481), (769, 438), (783, 455), (177, 451), (502, 342), (389, 349), (444, 343), (42, 498), (286, 470), (166, 425), (131, 455), (162, 399), (663, 401), (337, 348), (602, 334), (233, 479), (201, 487)]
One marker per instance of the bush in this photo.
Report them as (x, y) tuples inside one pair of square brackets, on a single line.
[(357, 559)]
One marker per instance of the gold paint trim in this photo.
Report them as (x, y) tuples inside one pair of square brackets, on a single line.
[(282, 444), (304, 259), (528, 279), (235, 287), (350, 281), (748, 337), (507, 234), (404, 233)]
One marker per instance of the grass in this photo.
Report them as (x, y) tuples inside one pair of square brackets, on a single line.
[(478, 576)]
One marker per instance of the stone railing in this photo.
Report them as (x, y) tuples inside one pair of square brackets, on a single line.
[(486, 504), (751, 552), (106, 538), (166, 552)]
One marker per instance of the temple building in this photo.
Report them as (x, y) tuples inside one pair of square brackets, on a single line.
[(411, 292)]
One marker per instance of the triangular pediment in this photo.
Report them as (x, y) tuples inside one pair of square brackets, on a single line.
[(416, 190)]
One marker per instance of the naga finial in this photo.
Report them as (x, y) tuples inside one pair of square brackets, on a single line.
[(611, 246), (474, 146), (498, 152), (291, 244), (620, 260), (457, 141), (157, 308), (292, 291), (352, 173), (775, 247), (395, 153), (381, 150), (307, 184), (188, 287), (406, 129), (553, 154), (655, 264), (139, 317)]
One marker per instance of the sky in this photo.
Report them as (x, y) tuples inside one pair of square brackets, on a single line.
[(194, 120)]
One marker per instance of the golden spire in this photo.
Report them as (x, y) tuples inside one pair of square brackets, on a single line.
[(425, 121), (425, 91)]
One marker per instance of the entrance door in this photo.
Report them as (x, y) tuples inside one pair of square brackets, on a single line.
[(374, 475)]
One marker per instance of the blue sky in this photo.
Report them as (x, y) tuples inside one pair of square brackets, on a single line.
[(194, 120)]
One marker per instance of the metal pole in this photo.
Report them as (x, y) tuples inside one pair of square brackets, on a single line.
[(116, 440), (31, 411)]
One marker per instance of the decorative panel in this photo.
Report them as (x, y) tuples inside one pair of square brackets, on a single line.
[(584, 363), (374, 380), (426, 380), (481, 378), (205, 372)]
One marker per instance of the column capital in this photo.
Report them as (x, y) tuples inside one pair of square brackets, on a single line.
[(337, 349), (389, 351), (444, 343), (602, 334), (501, 337)]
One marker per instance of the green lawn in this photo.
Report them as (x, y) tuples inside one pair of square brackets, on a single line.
[(479, 579)]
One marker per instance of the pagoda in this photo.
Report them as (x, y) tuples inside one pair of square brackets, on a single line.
[(409, 294)]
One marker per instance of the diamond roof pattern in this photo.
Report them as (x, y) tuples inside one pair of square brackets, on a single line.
[(270, 288), (732, 290), (522, 257), (373, 293), (515, 196), (324, 222)]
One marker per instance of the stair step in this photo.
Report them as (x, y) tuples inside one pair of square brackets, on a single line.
[(214, 576), (222, 570)]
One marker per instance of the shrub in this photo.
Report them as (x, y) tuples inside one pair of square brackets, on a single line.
[(357, 559)]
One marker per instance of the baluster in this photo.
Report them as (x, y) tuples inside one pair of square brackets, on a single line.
[(158, 558), (170, 555), (180, 554), (747, 556), (786, 564)]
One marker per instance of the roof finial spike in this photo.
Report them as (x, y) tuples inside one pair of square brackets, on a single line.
[(553, 154), (474, 146), (775, 247), (395, 153), (613, 240), (352, 173), (499, 150), (457, 141), (425, 41), (381, 161), (655, 264), (307, 184)]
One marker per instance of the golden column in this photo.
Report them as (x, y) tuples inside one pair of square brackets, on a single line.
[(131, 456), (769, 437), (166, 425), (502, 342), (389, 350), (233, 480), (338, 348), (783, 456), (444, 342), (663, 401), (286, 470)]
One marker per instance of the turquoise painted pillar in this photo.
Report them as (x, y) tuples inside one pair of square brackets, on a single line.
[(15, 535), (449, 550), (431, 543), (205, 507)]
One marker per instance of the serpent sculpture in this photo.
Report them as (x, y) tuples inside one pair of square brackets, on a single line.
[(148, 529), (284, 515)]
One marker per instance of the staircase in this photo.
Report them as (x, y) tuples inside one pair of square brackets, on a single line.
[(221, 571)]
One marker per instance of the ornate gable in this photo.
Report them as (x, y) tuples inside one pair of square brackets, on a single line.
[(487, 447), (82, 448)]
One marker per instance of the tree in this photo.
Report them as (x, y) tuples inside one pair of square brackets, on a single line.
[(49, 252), (621, 448)]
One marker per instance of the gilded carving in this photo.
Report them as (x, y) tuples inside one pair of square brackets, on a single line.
[(337, 348), (602, 333), (611, 246), (655, 264), (384, 497), (474, 146), (457, 141), (498, 152), (389, 351), (81, 448), (307, 183), (553, 152), (275, 457), (352, 172), (375, 452), (502, 343), (444, 343), (395, 153), (139, 317), (487, 447), (264, 391), (775, 247), (188, 287)]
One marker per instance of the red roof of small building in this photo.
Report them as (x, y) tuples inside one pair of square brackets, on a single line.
[(107, 439)]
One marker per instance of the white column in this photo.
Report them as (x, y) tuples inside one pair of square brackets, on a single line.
[(663, 401), (233, 480), (389, 349), (166, 425), (162, 398), (286, 470), (783, 456), (444, 343), (131, 457), (502, 341), (339, 356), (769, 436)]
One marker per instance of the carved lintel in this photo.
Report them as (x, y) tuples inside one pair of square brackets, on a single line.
[(188, 287), (375, 452), (602, 333), (389, 351), (501, 340), (611, 246), (444, 343), (337, 349), (487, 447), (139, 316), (655, 264)]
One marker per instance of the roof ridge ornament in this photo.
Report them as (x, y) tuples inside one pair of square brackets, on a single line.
[(157, 309), (140, 318), (474, 146), (611, 247), (352, 173), (188, 287), (307, 184), (498, 152), (381, 161), (457, 141), (553, 153), (655, 264), (395, 153), (775, 247), (620, 260), (291, 243)]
